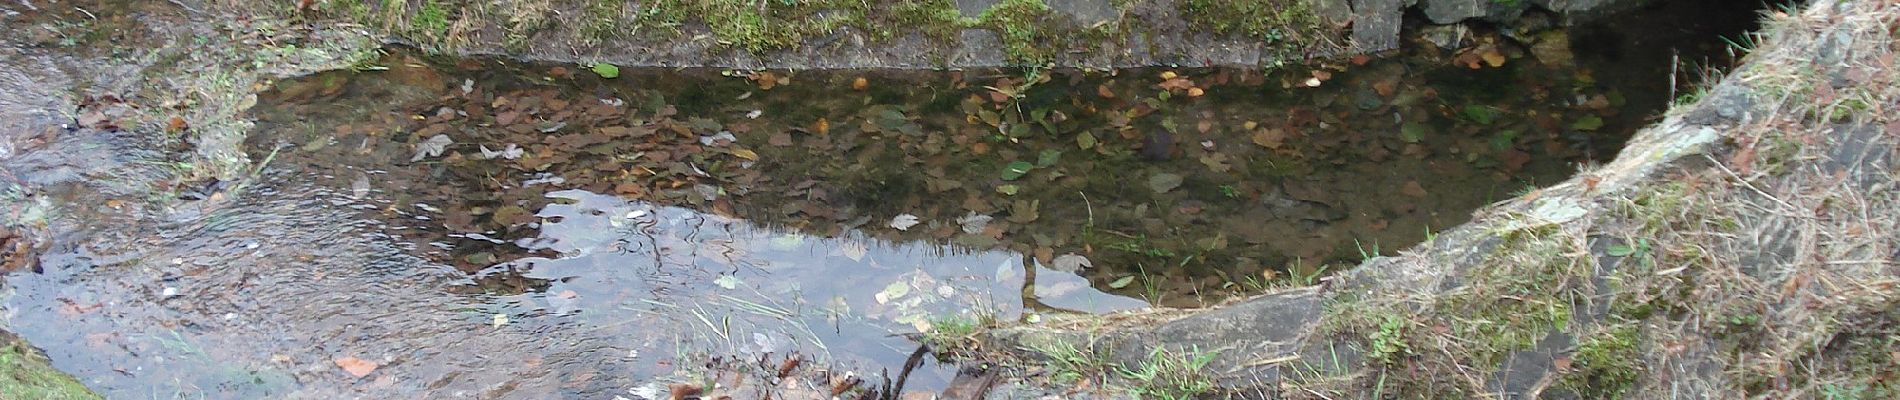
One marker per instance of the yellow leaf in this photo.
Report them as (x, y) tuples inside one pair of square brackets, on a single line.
[(746, 154), (1493, 58)]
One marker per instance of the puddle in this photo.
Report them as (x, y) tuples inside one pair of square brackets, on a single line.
[(487, 228)]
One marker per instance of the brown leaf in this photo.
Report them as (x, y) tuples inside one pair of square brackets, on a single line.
[(766, 80), (1412, 188), (780, 139), (356, 366), (1561, 363), (1271, 138), (1102, 90), (1385, 88), (860, 84), (176, 124), (1492, 57)]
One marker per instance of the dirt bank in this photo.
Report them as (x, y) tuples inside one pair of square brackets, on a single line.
[(1743, 247)]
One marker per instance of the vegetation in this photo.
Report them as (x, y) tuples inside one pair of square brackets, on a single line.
[(25, 374)]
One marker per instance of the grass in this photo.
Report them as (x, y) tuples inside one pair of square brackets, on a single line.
[(1169, 376), (25, 374), (1068, 363), (954, 336)]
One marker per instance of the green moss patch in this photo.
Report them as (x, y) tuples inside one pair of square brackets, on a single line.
[(25, 374)]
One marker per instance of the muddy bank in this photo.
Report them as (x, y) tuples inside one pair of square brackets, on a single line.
[(1748, 235)]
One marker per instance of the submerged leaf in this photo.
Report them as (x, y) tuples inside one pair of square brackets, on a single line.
[(1016, 170), (356, 366), (1071, 263), (903, 222), (1587, 123), (606, 70), (893, 291), (432, 147), (1122, 283), (1164, 182)]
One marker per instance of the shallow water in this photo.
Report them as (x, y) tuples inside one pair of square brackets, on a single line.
[(571, 235)]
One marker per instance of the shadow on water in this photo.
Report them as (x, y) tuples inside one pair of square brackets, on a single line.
[(488, 228)]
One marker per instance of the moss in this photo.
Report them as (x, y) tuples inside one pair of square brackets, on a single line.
[(25, 374), (1022, 26), (1525, 290), (1606, 365), (1273, 21), (936, 19)]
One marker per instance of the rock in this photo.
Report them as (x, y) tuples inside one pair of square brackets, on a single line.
[(1446, 37), (1376, 24), (1454, 11), (1084, 12), (1553, 49)]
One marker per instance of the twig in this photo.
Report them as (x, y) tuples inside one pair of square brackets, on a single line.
[(1751, 186)]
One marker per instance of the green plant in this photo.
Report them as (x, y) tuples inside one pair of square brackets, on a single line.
[(1020, 25), (1363, 253), (1230, 191), (1167, 376), (432, 19), (1068, 363), (955, 335), (1388, 341)]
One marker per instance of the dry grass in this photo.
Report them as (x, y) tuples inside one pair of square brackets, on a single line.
[(1757, 265)]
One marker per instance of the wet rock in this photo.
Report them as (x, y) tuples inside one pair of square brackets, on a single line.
[(1553, 49), (1083, 12), (1446, 37), (1376, 24)]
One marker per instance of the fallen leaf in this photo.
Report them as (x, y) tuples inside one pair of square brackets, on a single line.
[(1493, 58), (1195, 92), (1587, 123), (356, 366), (1271, 138), (780, 139), (1163, 182), (903, 222), (1016, 169), (974, 223), (1071, 263), (1122, 283), (893, 291), (606, 70), (746, 154), (176, 124), (432, 147), (860, 84), (1412, 188)]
